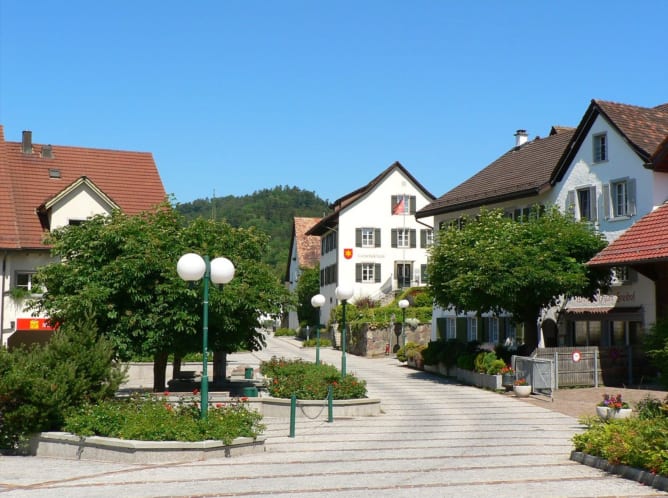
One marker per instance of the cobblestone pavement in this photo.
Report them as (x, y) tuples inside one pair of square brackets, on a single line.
[(434, 439)]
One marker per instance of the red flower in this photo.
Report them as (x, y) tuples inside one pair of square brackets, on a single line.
[(219, 405), (195, 391), (244, 399), (166, 393)]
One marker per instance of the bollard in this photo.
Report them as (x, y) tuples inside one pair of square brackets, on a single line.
[(293, 414), (330, 404)]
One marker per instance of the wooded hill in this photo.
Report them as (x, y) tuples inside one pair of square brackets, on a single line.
[(269, 210)]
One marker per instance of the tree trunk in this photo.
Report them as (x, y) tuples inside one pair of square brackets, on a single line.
[(219, 367), (159, 371), (530, 337), (176, 367)]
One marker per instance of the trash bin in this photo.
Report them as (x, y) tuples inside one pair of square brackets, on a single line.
[(248, 373), (250, 392)]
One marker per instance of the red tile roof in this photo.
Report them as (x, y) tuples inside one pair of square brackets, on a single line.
[(129, 179), (523, 171), (645, 242), (308, 246)]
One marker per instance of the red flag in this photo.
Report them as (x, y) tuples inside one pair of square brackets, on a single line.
[(399, 208)]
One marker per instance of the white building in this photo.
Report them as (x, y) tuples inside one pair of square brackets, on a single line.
[(372, 240)]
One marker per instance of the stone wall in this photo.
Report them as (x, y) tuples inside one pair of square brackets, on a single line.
[(373, 342)]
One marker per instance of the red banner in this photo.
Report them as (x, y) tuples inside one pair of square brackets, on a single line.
[(33, 324)]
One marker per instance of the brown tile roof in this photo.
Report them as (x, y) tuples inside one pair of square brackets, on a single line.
[(645, 129), (523, 171), (130, 179), (308, 246), (330, 221), (645, 242)]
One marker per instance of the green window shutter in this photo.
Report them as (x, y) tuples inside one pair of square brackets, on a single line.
[(423, 238), (358, 237), (412, 236), (571, 208), (593, 204), (441, 327), (394, 237), (606, 202), (376, 237), (412, 204), (358, 272), (376, 272), (461, 329), (631, 197), (423, 273), (393, 202)]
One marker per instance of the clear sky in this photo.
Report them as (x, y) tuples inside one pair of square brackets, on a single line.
[(237, 96)]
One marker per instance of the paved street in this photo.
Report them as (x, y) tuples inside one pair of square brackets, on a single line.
[(434, 439)]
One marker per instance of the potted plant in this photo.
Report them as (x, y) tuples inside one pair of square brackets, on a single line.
[(613, 407), (521, 388), (507, 376)]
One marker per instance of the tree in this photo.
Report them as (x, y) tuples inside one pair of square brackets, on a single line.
[(123, 268), (495, 264), (308, 286)]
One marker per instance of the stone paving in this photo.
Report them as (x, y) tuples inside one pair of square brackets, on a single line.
[(434, 439)]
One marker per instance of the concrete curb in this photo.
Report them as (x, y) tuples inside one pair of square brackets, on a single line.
[(70, 446), (317, 409), (631, 473)]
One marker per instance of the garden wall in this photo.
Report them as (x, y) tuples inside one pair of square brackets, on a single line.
[(372, 342)]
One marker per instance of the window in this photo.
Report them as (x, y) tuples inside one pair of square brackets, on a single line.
[(619, 198), (600, 148), (367, 273), (328, 243), (451, 328), (493, 330), (471, 329), (622, 275), (367, 237), (328, 275), (403, 237), (402, 204), (24, 280), (426, 238), (511, 331), (582, 203), (424, 277)]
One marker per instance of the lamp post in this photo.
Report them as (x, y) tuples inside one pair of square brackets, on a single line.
[(403, 304), (343, 293), (317, 301), (192, 267)]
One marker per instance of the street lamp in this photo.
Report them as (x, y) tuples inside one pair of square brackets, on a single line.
[(343, 293), (403, 304), (317, 301), (192, 267)]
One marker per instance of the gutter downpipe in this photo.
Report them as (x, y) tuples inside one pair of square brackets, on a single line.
[(2, 299)]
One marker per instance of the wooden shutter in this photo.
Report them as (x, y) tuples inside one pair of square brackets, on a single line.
[(376, 272), (394, 237), (358, 272), (441, 327), (412, 236), (376, 237), (358, 237), (592, 204), (393, 202), (606, 202), (570, 203), (631, 197), (412, 204), (423, 238), (423, 274)]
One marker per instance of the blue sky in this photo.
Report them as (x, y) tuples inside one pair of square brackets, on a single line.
[(233, 97)]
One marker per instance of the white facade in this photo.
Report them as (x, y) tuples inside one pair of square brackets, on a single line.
[(373, 250)]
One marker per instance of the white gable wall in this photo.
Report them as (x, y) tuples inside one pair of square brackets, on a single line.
[(80, 204)]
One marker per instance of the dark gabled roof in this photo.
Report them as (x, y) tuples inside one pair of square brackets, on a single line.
[(329, 222), (645, 242), (523, 171), (644, 128), (308, 246), (29, 181)]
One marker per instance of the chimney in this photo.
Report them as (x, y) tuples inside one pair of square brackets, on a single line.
[(521, 137), (26, 143), (47, 152)]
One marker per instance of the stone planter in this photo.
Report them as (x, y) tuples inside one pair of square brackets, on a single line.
[(507, 380), (606, 413), (522, 391)]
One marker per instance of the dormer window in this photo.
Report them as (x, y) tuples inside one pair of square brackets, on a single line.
[(54, 173), (600, 148)]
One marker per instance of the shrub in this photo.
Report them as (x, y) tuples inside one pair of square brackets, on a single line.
[(406, 351), (151, 418), (484, 360), (465, 361), (433, 353), (309, 381), (311, 343), (495, 367), (285, 332), (656, 347), (39, 385)]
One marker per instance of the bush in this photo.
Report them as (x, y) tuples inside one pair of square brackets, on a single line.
[(150, 418), (465, 361), (408, 350), (39, 385), (656, 347), (285, 332), (309, 381), (311, 343), (433, 353)]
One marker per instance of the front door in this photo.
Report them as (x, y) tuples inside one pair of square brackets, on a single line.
[(404, 272)]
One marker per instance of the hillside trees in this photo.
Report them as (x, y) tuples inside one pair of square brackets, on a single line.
[(123, 268), (494, 263)]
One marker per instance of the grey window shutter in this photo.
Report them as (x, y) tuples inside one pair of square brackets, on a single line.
[(376, 237), (592, 204), (376, 272), (394, 237), (412, 204), (393, 202), (631, 197), (413, 236), (423, 238), (358, 272), (570, 203), (358, 237), (606, 202), (423, 273)]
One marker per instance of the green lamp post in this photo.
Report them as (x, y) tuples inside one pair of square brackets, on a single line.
[(343, 293), (403, 304)]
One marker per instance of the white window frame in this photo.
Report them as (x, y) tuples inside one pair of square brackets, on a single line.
[(451, 327), (471, 329), (407, 204), (581, 194), (429, 234), (600, 145), (493, 330), (368, 273), (29, 284), (368, 237), (403, 238)]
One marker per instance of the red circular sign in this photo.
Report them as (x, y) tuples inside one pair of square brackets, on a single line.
[(576, 356)]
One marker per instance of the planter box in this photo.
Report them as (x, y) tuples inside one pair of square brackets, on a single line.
[(440, 369), (485, 381)]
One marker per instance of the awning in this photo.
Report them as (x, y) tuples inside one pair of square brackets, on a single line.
[(603, 307)]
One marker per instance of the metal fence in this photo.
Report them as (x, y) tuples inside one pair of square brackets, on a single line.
[(574, 366), (540, 373)]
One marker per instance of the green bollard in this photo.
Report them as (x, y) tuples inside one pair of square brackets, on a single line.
[(330, 404), (293, 414)]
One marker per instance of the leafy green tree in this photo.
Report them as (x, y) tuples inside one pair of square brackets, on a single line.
[(656, 347), (494, 263), (124, 269), (308, 286)]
